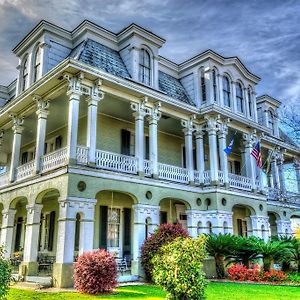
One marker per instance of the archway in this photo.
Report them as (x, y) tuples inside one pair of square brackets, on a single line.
[(173, 211), (242, 224), (273, 218)]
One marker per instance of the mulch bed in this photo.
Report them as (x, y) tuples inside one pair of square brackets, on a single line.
[(255, 283)]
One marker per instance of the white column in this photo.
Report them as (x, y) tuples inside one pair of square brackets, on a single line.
[(254, 105), (280, 165), (45, 57), (188, 137), (249, 160), (274, 170), (16, 147), (246, 103), (7, 231), (42, 113), (153, 118), (220, 87), (222, 133), (233, 98), (276, 128), (266, 117), (200, 153), (32, 234), (74, 93), (141, 213), (297, 171), (91, 136), (140, 111), (260, 226), (212, 127)]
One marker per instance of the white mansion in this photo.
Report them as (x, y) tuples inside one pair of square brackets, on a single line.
[(102, 139)]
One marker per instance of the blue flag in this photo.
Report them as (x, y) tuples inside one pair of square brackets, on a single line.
[(228, 149)]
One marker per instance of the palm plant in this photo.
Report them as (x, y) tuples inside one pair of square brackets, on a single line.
[(220, 246), (295, 252), (272, 251)]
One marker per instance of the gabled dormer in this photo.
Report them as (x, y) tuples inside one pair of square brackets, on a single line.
[(139, 50), (267, 111)]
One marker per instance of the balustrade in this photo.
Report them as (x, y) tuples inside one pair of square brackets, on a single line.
[(54, 160), (147, 168), (173, 173), (207, 178), (4, 179), (82, 155), (221, 177), (26, 170), (240, 182)]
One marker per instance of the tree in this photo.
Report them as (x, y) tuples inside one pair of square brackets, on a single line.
[(220, 246), (5, 274), (290, 121)]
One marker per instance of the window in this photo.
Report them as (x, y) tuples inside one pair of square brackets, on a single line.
[(271, 121), (239, 98), (58, 142), (214, 77), (24, 158), (237, 167), (147, 227), (260, 115), (25, 74), (77, 233), (145, 67), (199, 228), (113, 227), (163, 216), (249, 102), (37, 64), (203, 87), (242, 227), (209, 227), (226, 91), (19, 233)]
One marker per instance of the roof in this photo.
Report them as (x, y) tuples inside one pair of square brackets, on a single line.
[(97, 55), (173, 87)]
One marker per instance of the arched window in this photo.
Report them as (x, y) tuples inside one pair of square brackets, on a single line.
[(249, 102), (271, 120), (225, 226), (37, 64), (77, 233), (226, 91), (203, 87), (145, 67), (25, 74), (239, 98), (214, 78)]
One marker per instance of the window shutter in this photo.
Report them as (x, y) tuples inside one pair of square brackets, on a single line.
[(183, 157), (18, 234), (127, 230), (147, 151), (103, 227), (240, 227), (125, 142), (51, 231)]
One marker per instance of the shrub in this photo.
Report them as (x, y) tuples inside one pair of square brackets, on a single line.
[(294, 277), (274, 276), (163, 235), (95, 272), (177, 268), (5, 274)]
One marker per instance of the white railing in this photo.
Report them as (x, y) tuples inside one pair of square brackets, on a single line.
[(221, 177), (4, 179), (197, 177), (54, 160), (206, 175), (116, 162), (25, 170), (240, 182), (147, 168), (173, 173), (82, 155)]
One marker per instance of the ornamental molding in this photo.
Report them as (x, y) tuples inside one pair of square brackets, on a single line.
[(140, 109), (155, 112), (188, 124)]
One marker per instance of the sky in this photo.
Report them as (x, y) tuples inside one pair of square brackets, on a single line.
[(265, 35)]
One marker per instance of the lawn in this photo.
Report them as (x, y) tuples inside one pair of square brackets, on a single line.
[(220, 291)]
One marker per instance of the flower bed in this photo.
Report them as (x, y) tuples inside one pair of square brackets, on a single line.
[(239, 272)]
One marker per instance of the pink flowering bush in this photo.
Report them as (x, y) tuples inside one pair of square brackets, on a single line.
[(239, 272), (95, 272)]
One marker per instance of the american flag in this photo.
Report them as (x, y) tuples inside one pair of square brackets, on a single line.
[(257, 154)]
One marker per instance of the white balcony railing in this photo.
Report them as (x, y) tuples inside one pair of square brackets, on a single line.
[(240, 182), (82, 154), (197, 177), (221, 177), (173, 173), (147, 168), (26, 170), (207, 178), (54, 160), (116, 162), (4, 179)]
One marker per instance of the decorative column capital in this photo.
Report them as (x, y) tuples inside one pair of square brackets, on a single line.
[(223, 128), (18, 121), (249, 140), (96, 94), (8, 213), (140, 109), (44, 45), (212, 124), (42, 106), (188, 125), (155, 113), (74, 86), (199, 131)]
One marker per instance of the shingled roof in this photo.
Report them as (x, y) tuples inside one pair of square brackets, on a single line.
[(97, 55)]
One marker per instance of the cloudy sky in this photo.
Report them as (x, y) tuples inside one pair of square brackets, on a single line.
[(265, 35)]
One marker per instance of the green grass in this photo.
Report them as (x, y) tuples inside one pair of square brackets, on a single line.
[(220, 291)]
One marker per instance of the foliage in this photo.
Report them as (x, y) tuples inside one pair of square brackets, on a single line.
[(95, 272), (220, 246), (239, 272), (294, 277), (178, 268), (163, 235), (5, 274)]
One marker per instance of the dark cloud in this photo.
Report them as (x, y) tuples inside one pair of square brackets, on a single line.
[(264, 34)]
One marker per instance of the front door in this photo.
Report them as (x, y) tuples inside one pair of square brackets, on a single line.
[(114, 236)]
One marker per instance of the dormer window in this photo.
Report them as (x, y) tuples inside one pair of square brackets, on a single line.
[(145, 67), (271, 121), (203, 87), (249, 102), (239, 98), (37, 64), (226, 91), (25, 74)]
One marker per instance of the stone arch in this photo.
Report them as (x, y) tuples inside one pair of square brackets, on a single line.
[(273, 219), (50, 192), (241, 218), (209, 227), (199, 228)]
